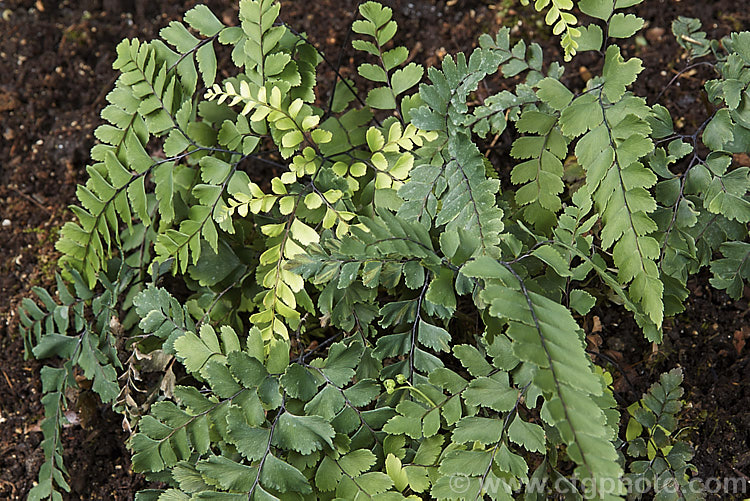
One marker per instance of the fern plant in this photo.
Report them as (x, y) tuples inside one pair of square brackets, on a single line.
[(650, 436), (321, 351)]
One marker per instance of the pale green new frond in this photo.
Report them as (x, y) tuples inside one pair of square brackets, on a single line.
[(293, 123), (562, 20)]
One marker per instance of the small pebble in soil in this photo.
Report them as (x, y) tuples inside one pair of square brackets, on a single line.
[(6, 223)]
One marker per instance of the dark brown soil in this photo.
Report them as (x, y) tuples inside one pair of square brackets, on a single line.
[(55, 70)]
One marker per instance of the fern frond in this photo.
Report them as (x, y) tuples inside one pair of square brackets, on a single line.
[(145, 99), (184, 245), (540, 175), (52, 473), (573, 238), (246, 385), (544, 334), (559, 16), (378, 25), (162, 315), (90, 346), (733, 269), (617, 138), (649, 436)]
